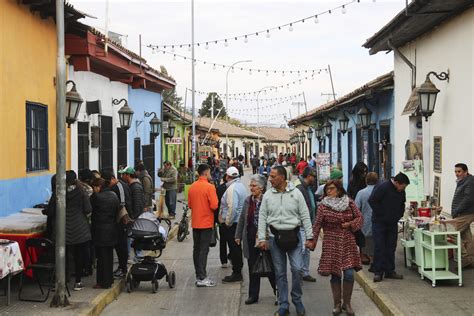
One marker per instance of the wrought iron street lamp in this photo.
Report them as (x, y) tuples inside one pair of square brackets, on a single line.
[(343, 124), (125, 113), (154, 123), (327, 128), (171, 129), (428, 93), (365, 117), (301, 136), (319, 133), (73, 104), (309, 133)]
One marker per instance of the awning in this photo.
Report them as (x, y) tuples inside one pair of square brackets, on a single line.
[(413, 103)]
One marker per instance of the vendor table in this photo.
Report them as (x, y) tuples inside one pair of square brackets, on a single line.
[(20, 239), (11, 262), (429, 251)]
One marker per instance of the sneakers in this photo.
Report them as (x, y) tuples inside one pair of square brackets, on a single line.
[(171, 217), (119, 274), (224, 265), (205, 283), (309, 278), (233, 278), (78, 286), (378, 278)]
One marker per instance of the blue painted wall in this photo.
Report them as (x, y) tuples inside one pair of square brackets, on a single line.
[(143, 101), (382, 110), (16, 194)]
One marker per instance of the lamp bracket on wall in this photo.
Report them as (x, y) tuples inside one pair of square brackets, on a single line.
[(441, 76)]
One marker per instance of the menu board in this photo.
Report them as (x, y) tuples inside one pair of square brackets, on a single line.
[(323, 165), (435, 200), (414, 171), (437, 154)]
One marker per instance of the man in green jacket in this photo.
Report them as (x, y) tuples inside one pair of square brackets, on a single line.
[(169, 176), (283, 210)]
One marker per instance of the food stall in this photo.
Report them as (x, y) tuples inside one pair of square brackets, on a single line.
[(428, 242)]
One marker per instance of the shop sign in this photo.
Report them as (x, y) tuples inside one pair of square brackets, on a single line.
[(173, 141), (437, 151)]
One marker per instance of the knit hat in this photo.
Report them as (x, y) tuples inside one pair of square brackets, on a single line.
[(335, 174)]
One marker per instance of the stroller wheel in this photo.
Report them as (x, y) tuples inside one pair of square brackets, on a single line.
[(154, 285), (129, 283), (171, 278)]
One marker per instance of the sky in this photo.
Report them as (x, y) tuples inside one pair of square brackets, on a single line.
[(336, 40)]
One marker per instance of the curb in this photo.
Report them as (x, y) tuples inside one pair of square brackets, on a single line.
[(99, 303), (381, 300)]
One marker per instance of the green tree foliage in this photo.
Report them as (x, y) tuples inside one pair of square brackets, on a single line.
[(169, 95), (205, 109)]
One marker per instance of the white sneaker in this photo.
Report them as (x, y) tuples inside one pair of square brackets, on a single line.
[(205, 283), (224, 265)]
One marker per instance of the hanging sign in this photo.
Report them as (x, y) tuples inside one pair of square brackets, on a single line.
[(323, 164), (173, 141), (437, 154)]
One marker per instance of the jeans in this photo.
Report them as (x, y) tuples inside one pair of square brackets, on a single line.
[(295, 257), (348, 276), (235, 251), (105, 266), (201, 241), (223, 253), (77, 252), (306, 255), (385, 244), (121, 248), (170, 201)]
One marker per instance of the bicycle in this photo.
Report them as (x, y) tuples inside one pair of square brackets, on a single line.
[(183, 226)]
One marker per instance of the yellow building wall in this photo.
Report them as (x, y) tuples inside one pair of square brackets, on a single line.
[(27, 71)]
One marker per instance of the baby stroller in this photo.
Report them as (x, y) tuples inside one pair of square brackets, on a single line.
[(148, 235)]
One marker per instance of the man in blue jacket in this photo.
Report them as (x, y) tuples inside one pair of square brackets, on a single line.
[(388, 204)]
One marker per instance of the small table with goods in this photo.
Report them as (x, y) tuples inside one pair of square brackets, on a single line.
[(427, 244), (11, 262)]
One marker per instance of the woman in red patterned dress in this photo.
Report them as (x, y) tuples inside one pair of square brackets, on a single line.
[(339, 218)]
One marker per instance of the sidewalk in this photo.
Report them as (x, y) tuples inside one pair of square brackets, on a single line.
[(413, 296), (88, 301)]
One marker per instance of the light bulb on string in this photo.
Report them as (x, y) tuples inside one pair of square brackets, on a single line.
[(226, 44), (246, 40), (283, 73), (172, 49), (232, 69), (207, 45), (268, 34), (343, 10), (267, 73), (189, 48), (174, 57), (214, 67), (291, 27)]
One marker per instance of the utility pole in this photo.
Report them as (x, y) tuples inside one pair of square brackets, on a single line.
[(193, 87), (60, 298), (298, 104), (332, 83)]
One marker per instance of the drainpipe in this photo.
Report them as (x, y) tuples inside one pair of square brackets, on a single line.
[(397, 52)]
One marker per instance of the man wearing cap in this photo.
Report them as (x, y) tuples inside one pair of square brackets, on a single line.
[(169, 177), (136, 192), (335, 174), (232, 203), (306, 187)]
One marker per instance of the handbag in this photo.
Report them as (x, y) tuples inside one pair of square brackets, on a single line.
[(263, 266), (213, 242), (286, 240), (359, 236)]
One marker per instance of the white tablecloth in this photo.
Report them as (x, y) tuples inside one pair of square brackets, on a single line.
[(10, 259)]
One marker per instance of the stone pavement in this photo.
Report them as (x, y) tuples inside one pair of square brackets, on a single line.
[(413, 296)]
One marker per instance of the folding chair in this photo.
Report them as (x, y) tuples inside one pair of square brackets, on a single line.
[(46, 248)]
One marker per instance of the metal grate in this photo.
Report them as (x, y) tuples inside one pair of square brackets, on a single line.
[(37, 156), (82, 145), (106, 144), (121, 147), (148, 154)]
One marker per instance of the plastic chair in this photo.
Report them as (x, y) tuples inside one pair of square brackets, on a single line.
[(46, 248)]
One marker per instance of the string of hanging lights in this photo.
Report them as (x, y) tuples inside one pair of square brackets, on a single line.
[(285, 98), (250, 70), (262, 33), (238, 108)]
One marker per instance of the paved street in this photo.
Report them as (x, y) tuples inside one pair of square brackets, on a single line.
[(224, 299)]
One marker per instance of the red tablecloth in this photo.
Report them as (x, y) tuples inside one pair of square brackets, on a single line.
[(21, 240)]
